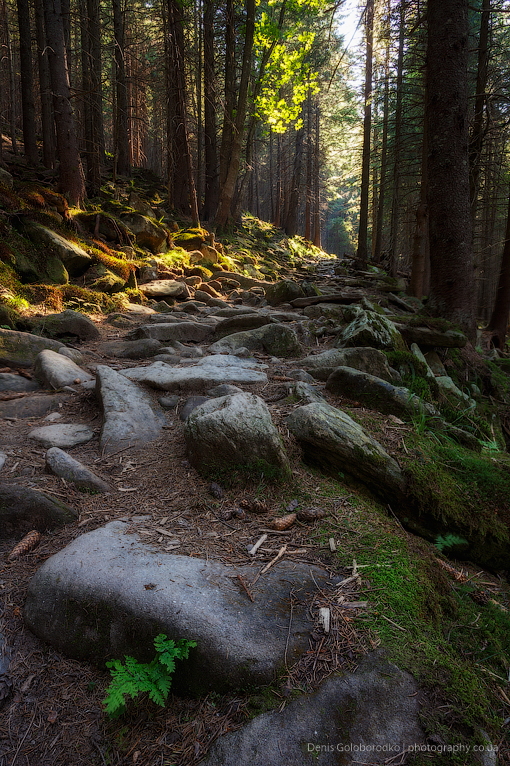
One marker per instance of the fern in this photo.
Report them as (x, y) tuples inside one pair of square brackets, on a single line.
[(449, 541), (131, 678)]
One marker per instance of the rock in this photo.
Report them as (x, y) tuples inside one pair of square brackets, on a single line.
[(169, 402), (243, 280), (283, 292), (416, 351), (129, 417), (48, 269), (301, 375), (5, 178), (233, 431), (55, 370), (325, 311), (20, 349), (371, 329), (23, 509), (110, 228), (140, 205), (277, 339), (362, 717), (377, 394), (63, 465), (334, 442), (168, 331), (193, 378), (191, 404), (233, 311), (31, 407), (224, 390), (165, 288), (303, 392), (369, 360), (74, 258), (190, 239), (104, 280), (62, 435), (434, 362), (11, 382), (72, 353), (148, 234), (91, 601), (447, 386), (426, 336), (209, 254), (64, 324), (240, 323), (131, 349)]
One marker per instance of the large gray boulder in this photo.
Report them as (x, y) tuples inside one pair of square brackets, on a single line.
[(240, 323), (277, 339), (61, 464), (369, 716), (131, 349), (164, 288), (283, 292), (32, 406), (74, 258), (364, 358), (233, 431), (168, 331), (20, 349), (56, 370), (23, 509), (377, 394), (334, 442), (148, 233), (194, 378), (371, 329), (11, 382), (130, 420), (108, 594)]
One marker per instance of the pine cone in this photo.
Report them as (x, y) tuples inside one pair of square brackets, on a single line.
[(283, 522), (311, 514), (28, 543), (254, 506)]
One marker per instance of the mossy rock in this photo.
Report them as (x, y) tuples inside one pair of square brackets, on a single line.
[(191, 239), (104, 280)]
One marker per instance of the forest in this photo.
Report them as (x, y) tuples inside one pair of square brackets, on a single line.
[(254, 382), (268, 108)]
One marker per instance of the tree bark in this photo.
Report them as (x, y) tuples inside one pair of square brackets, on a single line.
[(451, 260), (47, 120), (477, 133), (27, 82), (121, 138), (498, 323), (72, 180), (210, 109), (362, 251)]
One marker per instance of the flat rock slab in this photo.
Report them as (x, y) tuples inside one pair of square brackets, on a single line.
[(334, 442), (426, 336), (32, 406), (11, 382), (92, 601), (162, 288), (183, 331), (56, 370), (21, 348), (129, 416), (68, 322), (23, 509), (193, 378), (61, 464), (240, 323), (62, 435), (369, 360), (363, 717), (131, 349)]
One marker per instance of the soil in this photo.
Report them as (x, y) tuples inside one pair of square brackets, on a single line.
[(54, 712)]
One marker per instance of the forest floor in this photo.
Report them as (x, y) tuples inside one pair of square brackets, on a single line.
[(54, 715)]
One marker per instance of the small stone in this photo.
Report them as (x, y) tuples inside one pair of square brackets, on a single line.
[(168, 402), (215, 490), (64, 435)]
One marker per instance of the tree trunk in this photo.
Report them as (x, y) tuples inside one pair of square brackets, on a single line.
[(446, 110), (72, 181), (228, 188), (498, 323), (420, 271), (47, 120), (95, 99), (27, 82), (477, 134), (378, 241), (210, 108), (291, 218), (121, 138), (395, 203), (362, 251), (12, 83)]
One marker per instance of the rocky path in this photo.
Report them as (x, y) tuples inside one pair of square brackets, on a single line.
[(158, 454)]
